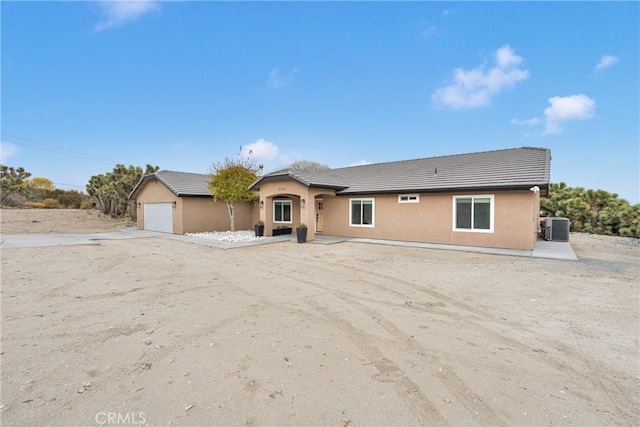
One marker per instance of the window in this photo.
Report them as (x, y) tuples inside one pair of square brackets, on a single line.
[(408, 198), (282, 211), (361, 212), (473, 213)]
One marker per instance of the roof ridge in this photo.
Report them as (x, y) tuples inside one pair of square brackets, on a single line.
[(442, 157), (180, 172)]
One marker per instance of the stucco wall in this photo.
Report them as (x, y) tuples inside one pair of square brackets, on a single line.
[(201, 214), (195, 214), (294, 191), (431, 220)]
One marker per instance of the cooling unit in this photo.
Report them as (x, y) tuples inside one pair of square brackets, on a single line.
[(557, 229)]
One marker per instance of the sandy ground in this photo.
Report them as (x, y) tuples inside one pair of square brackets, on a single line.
[(160, 332)]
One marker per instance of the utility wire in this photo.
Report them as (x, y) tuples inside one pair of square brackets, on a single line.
[(68, 185), (58, 150)]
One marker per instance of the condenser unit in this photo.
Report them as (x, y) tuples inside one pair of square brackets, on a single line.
[(557, 229)]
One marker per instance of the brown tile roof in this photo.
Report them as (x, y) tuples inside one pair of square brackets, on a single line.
[(516, 168)]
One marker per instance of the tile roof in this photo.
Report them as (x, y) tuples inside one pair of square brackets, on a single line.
[(501, 169), (180, 183)]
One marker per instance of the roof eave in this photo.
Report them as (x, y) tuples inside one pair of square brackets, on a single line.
[(148, 177), (521, 187)]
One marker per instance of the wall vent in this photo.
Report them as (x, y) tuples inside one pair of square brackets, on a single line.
[(557, 229)]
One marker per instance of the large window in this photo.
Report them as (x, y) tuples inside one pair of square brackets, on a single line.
[(473, 213), (282, 211), (361, 212)]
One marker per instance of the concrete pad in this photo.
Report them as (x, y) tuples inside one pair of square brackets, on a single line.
[(543, 249), (42, 240), (554, 250), (323, 239)]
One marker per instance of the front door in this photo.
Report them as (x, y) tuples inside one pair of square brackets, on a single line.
[(319, 216)]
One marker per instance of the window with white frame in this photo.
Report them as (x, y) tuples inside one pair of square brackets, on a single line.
[(408, 198), (361, 212), (282, 211), (473, 213)]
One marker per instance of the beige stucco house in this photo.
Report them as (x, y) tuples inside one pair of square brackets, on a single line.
[(489, 199), (180, 202)]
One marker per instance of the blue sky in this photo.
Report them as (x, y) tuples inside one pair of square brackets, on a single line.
[(86, 85)]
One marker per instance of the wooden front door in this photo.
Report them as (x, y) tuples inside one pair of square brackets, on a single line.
[(319, 216)]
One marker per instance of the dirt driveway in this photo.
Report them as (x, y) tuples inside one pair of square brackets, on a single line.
[(159, 332)]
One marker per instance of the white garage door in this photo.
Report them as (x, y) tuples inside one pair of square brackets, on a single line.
[(158, 217)]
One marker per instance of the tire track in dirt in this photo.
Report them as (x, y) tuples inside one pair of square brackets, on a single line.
[(478, 318), (404, 385), (599, 379), (411, 393)]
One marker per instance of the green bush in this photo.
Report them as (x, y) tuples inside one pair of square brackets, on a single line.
[(592, 211)]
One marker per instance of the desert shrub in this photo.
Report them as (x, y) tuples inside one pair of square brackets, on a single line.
[(34, 205), (87, 203), (50, 203)]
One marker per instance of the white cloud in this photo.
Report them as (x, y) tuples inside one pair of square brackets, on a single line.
[(118, 12), (7, 150), (567, 108), (277, 80), (475, 88), (606, 61), (260, 150), (526, 122)]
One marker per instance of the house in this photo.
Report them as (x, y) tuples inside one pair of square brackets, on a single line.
[(487, 199), (180, 202)]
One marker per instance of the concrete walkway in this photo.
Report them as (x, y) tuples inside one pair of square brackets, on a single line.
[(41, 240), (543, 249)]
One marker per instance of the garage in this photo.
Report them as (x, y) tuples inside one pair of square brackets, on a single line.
[(181, 202), (158, 217)]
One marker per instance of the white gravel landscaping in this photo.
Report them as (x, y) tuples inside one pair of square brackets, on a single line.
[(228, 236)]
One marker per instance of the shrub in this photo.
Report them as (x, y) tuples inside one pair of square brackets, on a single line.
[(50, 203), (34, 205), (87, 203)]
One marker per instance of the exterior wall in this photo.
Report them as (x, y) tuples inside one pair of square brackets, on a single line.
[(195, 214), (431, 220), (201, 214), (156, 192), (294, 191)]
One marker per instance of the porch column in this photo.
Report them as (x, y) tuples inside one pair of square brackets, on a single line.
[(266, 214), (307, 214)]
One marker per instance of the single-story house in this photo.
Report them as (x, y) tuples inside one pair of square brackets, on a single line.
[(180, 202), (487, 199)]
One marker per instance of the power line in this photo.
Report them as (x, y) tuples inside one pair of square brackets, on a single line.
[(58, 150), (68, 185)]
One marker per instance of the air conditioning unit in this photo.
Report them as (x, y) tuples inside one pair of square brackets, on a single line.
[(557, 229)]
